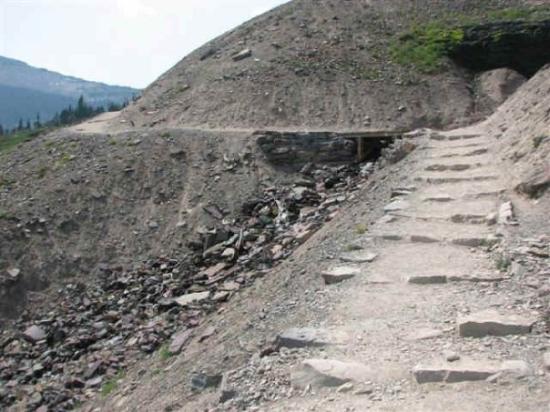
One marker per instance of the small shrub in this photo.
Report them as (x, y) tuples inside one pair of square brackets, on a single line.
[(503, 263), (361, 229), (538, 140), (164, 353), (111, 385)]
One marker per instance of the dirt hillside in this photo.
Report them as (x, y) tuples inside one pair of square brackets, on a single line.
[(316, 64)]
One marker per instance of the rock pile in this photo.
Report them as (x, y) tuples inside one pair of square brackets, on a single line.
[(60, 356)]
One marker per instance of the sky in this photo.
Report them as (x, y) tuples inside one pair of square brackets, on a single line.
[(122, 42)]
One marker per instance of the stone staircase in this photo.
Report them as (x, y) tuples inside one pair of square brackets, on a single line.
[(420, 302)]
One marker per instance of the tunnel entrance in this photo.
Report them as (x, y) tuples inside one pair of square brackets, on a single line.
[(293, 150), (522, 46)]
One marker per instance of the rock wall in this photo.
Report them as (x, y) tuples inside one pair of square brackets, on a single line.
[(293, 150)]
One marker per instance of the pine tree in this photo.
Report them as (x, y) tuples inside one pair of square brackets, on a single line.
[(20, 125), (37, 123), (1, 130), (28, 127)]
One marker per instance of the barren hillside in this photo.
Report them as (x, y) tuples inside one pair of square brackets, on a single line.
[(322, 64)]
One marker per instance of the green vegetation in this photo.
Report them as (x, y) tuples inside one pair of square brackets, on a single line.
[(164, 353), (111, 385), (361, 229), (538, 140), (425, 45), (8, 142), (3, 214), (503, 263)]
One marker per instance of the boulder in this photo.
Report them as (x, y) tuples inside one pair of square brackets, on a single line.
[(492, 323), (495, 86), (34, 334)]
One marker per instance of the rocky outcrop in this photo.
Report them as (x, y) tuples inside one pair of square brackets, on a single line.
[(294, 150), (521, 45), (495, 86)]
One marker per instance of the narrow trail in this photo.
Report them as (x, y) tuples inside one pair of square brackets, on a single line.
[(421, 312)]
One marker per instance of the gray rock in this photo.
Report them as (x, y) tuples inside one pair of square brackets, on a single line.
[(243, 54), (427, 279), (179, 340), (451, 356), (358, 257), (492, 323), (34, 334), (14, 273), (506, 214), (546, 361), (329, 373), (339, 274), (301, 338), (190, 298), (461, 371)]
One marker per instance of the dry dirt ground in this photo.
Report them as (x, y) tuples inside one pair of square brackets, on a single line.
[(446, 248)]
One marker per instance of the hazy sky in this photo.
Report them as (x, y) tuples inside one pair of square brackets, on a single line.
[(126, 42)]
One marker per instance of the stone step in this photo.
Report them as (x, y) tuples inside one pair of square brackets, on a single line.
[(304, 338), (433, 279), (469, 152), (453, 179), (329, 373), (450, 138), (339, 274), (358, 257), (457, 167), (492, 323), (467, 370)]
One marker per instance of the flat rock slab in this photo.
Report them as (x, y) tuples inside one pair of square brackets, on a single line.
[(179, 341), (492, 323), (424, 334), (339, 274), (439, 198), (329, 373), (358, 257), (427, 279), (308, 337), (477, 278), (466, 371), (192, 298)]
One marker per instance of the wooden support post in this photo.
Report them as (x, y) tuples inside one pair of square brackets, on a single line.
[(361, 152)]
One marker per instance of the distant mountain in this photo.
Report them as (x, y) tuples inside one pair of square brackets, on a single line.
[(26, 91)]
